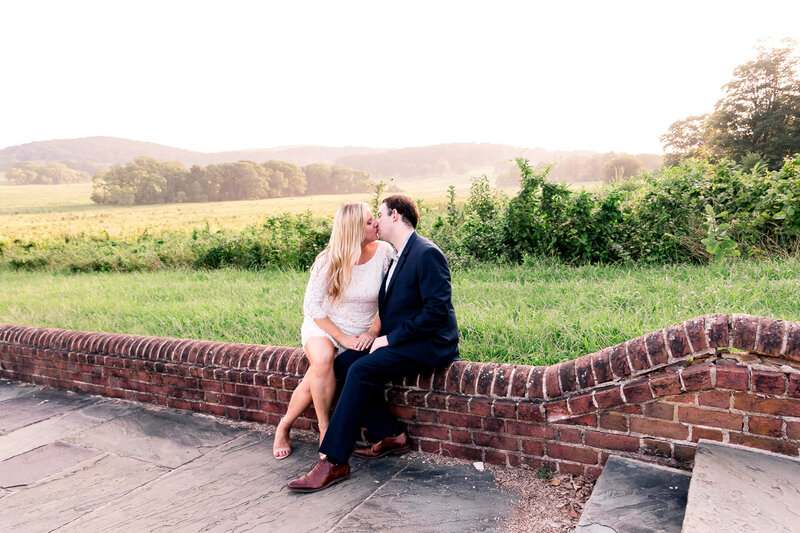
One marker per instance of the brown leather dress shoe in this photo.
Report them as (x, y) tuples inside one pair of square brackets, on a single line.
[(322, 475), (394, 445)]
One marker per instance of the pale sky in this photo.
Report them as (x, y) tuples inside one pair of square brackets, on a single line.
[(215, 76)]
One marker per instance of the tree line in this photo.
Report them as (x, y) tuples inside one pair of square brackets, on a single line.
[(45, 174), (148, 181), (757, 121)]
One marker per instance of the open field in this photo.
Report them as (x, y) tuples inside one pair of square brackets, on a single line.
[(536, 313), (42, 212)]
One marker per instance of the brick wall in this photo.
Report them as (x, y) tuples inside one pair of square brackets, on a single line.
[(731, 378)]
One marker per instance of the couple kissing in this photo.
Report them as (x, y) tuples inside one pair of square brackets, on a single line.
[(374, 310)]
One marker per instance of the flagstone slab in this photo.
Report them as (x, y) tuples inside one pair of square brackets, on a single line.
[(10, 390), (167, 438), (239, 486), (636, 497), (738, 489), (61, 499), (430, 497), (35, 465), (39, 405), (60, 426)]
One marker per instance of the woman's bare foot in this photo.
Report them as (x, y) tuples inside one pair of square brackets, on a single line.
[(282, 446)]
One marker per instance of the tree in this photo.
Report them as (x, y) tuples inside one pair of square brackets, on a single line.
[(624, 166), (758, 118), (287, 179), (685, 138)]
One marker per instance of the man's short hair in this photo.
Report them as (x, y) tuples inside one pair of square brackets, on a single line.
[(406, 207)]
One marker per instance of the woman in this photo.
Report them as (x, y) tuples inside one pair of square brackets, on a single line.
[(340, 312)]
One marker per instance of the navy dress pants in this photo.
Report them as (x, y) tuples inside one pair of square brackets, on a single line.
[(362, 402)]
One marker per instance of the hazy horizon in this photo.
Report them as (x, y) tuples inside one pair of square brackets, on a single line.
[(249, 76)]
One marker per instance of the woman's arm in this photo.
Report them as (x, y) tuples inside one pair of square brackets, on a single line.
[(348, 341), (366, 339)]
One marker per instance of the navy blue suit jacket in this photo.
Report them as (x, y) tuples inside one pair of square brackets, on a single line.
[(416, 310)]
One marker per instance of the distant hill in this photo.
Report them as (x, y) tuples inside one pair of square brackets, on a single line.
[(91, 154)]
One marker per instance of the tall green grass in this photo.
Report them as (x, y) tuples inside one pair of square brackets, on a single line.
[(539, 312)]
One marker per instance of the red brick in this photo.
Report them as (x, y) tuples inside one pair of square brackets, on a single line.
[(770, 427), (583, 420), (440, 374), (468, 379), (568, 380), (704, 417), (530, 412), (677, 341), (665, 384), (697, 377), (618, 360), (685, 398), (519, 383), (706, 433), (656, 348), (480, 406), (572, 453), (571, 435), (551, 386), (714, 398), (537, 431), (583, 370), (768, 382), (428, 416), (428, 432), (500, 442), (767, 406), (717, 330), (453, 378), (483, 385), (532, 447), (430, 446), (794, 385), (744, 332), (457, 404), (609, 441), (568, 468), (403, 412), (556, 410), (602, 365), (613, 421), (637, 392), (436, 400), (684, 453), (502, 380), (462, 452), (793, 342), (504, 409), (536, 383), (662, 410), (770, 336), (764, 443), (793, 430), (494, 425), (696, 331), (495, 458), (581, 404), (460, 436), (637, 354), (459, 420), (608, 398), (659, 428)]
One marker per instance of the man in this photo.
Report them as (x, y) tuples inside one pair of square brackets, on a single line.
[(418, 332)]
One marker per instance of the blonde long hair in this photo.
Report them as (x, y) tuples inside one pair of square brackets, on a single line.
[(344, 247)]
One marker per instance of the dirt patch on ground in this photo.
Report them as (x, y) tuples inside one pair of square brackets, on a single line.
[(544, 505)]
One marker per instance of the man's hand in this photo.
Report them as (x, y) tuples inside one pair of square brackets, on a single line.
[(380, 342)]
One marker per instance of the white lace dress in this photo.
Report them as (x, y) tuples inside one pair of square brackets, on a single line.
[(356, 309)]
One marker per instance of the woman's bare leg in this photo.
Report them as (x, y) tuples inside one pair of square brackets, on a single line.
[(320, 352), (299, 402)]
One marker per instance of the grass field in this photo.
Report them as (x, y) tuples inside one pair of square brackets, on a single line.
[(536, 313)]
